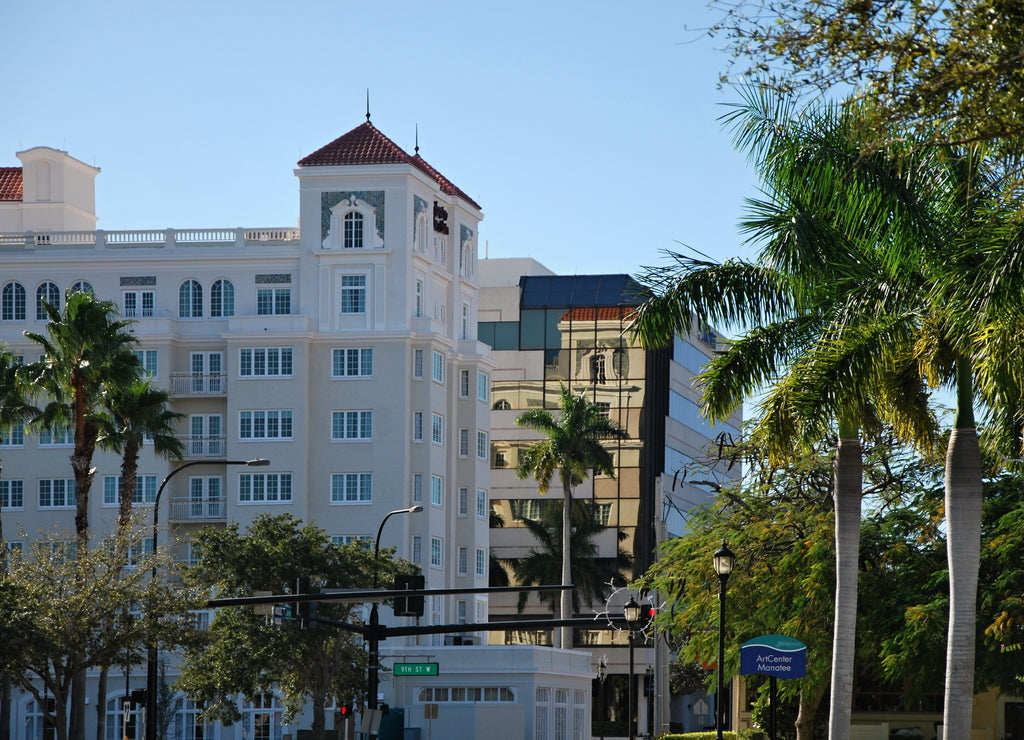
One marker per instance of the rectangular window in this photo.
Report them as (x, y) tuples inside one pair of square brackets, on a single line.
[(437, 429), (463, 383), (417, 549), (145, 489), (460, 618), (482, 390), (265, 362), (265, 488), (56, 493), (417, 363), (463, 564), (481, 561), (464, 442), (12, 494), (273, 301), (205, 497), (437, 368), (436, 552), (13, 437), (481, 445), (352, 363), (57, 437), (463, 502), (138, 304), (417, 426), (274, 425), (437, 490), (417, 488), (206, 435), (148, 360), (349, 488), (481, 503), (353, 293), (419, 298), (348, 425)]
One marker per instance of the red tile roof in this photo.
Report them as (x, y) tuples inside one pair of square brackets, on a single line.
[(11, 187), (601, 313), (366, 145)]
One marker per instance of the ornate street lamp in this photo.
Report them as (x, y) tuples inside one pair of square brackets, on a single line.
[(724, 561), (631, 613)]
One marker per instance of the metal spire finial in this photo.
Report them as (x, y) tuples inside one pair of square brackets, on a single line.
[(417, 139), (367, 105)]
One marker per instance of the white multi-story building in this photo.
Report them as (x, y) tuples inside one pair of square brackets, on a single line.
[(344, 353)]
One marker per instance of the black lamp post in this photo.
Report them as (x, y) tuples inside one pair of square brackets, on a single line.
[(373, 638), (631, 613), (153, 655), (602, 676), (724, 561)]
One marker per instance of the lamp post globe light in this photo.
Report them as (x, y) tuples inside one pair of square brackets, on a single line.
[(153, 654), (724, 561), (373, 638), (631, 613)]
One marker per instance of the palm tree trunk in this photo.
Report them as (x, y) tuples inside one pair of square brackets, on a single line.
[(565, 600), (963, 527), (847, 492)]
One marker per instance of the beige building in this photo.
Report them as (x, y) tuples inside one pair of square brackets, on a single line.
[(345, 353)]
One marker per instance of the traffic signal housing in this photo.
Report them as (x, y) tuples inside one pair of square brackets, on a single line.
[(409, 606)]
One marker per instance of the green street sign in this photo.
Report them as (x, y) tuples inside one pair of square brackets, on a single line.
[(415, 669)]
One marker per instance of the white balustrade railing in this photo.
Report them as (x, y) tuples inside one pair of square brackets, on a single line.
[(150, 238), (198, 384), (188, 510)]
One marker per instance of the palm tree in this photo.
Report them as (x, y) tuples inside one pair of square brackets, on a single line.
[(828, 210), (84, 352), (137, 412), (592, 575), (573, 446)]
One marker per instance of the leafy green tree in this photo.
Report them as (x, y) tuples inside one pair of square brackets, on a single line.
[(592, 575), (137, 412), (951, 68), (242, 654), (67, 609), (572, 447), (780, 525)]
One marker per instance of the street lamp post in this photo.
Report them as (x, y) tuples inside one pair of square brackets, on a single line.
[(724, 561), (373, 638), (602, 676), (153, 655), (631, 613)]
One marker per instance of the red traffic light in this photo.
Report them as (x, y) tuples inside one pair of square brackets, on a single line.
[(345, 710)]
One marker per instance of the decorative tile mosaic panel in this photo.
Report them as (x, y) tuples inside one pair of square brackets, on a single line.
[(127, 282), (276, 279), (374, 198)]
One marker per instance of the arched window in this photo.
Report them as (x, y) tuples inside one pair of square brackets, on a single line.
[(116, 727), (82, 286), (190, 300), (37, 726), (222, 299), (48, 293), (353, 230), (261, 718), (12, 302)]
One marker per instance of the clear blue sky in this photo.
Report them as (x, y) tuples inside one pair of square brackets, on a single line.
[(587, 130)]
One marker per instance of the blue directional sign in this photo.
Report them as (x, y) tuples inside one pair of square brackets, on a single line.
[(774, 655)]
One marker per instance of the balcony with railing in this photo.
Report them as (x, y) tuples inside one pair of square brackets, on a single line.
[(183, 510), (199, 384), (149, 238), (196, 447)]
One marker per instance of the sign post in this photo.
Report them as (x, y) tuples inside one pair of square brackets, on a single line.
[(775, 656)]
